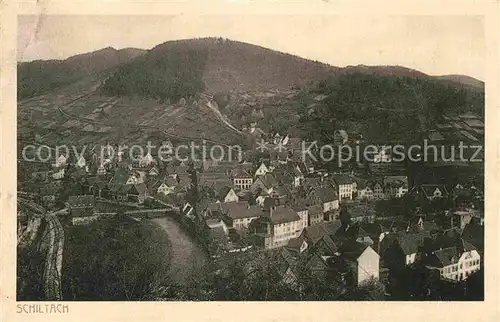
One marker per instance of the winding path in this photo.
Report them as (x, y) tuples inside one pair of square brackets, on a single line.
[(188, 261)]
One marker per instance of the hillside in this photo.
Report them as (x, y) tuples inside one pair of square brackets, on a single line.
[(281, 92), (38, 77), (384, 107), (184, 67), (464, 80), (382, 103)]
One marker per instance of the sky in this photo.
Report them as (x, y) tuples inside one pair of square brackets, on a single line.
[(436, 45)]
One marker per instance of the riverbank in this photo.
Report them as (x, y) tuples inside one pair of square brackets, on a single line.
[(187, 259)]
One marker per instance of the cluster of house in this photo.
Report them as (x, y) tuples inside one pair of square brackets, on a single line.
[(355, 253), (450, 253), (282, 202)]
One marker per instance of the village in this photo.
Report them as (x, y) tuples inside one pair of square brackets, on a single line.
[(349, 227)]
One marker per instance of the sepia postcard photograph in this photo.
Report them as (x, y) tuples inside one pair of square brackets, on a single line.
[(249, 157)]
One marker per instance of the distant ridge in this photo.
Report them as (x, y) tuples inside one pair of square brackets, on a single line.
[(463, 79), (39, 76), (183, 67)]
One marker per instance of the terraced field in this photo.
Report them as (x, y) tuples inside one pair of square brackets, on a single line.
[(80, 114)]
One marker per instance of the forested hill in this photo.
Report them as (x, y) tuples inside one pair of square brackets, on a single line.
[(40, 76), (384, 106), (184, 67)]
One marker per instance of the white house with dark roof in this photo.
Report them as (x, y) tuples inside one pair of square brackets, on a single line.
[(167, 186), (315, 214), (344, 185), (266, 183), (81, 163), (361, 262), (328, 198), (377, 187), (242, 179), (101, 170), (457, 262), (277, 226), (241, 213), (303, 212), (312, 235), (261, 170), (286, 224), (61, 161), (146, 161), (433, 191), (364, 190), (227, 194)]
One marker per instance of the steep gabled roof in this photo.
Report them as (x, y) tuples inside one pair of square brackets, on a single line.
[(239, 172), (316, 232), (411, 242), (282, 214), (241, 209), (326, 194), (473, 233), (342, 179), (140, 188), (315, 209), (119, 178), (268, 180), (213, 177), (446, 256), (352, 250), (429, 189), (223, 191)]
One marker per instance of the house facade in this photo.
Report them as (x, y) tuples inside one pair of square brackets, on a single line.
[(378, 190), (61, 161), (368, 266), (454, 264), (241, 213), (227, 194), (315, 214), (365, 193), (277, 227), (242, 180), (344, 185), (302, 211), (261, 170)]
